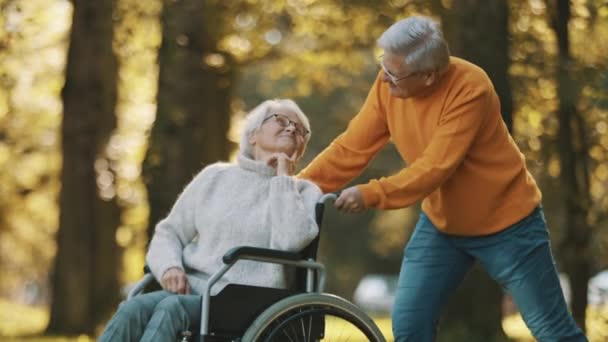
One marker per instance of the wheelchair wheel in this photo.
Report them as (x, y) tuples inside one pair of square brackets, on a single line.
[(313, 317)]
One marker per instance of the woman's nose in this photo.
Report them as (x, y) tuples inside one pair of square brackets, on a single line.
[(291, 127)]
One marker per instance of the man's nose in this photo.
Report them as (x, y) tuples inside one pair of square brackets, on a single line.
[(385, 78)]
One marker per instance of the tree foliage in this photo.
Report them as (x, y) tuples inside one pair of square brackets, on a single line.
[(322, 53)]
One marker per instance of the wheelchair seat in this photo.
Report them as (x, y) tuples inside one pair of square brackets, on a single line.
[(229, 318)]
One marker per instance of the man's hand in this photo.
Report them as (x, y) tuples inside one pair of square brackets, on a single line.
[(350, 200), (174, 280)]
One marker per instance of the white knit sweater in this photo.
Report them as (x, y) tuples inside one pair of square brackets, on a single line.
[(228, 205)]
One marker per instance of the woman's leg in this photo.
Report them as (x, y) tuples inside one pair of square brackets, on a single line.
[(171, 316), (129, 321), (432, 269)]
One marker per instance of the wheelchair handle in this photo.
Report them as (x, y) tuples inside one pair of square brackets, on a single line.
[(330, 196)]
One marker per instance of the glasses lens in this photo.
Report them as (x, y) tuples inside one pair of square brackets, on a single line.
[(284, 121), (387, 73)]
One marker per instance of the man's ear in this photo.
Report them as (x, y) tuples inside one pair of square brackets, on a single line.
[(251, 139), (430, 79)]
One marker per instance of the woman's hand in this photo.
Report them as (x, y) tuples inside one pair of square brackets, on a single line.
[(174, 280), (284, 164)]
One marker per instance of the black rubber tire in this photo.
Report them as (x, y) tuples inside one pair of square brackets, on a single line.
[(308, 304)]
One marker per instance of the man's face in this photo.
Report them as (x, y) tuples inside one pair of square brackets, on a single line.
[(402, 81)]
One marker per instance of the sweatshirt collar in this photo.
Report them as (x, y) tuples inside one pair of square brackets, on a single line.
[(255, 166)]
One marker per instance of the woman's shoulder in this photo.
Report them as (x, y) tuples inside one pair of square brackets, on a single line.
[(217, 167), (305, 185), (212, 171)]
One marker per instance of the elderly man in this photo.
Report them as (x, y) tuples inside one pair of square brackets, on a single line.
[(480, 203)]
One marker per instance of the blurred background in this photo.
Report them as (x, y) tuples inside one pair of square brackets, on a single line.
[(109, 107)]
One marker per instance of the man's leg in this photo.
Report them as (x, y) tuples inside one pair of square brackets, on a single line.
[(171, 316), (129, 321), (432, 269), (520, 259)]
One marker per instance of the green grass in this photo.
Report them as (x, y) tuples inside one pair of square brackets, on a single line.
[(22, 323)]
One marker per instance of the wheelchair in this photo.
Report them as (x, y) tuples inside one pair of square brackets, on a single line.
[(243, 313)]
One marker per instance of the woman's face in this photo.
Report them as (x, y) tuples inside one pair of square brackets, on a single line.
[(281, 131)]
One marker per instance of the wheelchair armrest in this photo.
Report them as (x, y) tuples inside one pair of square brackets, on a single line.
[(141, 284), (241, 252)]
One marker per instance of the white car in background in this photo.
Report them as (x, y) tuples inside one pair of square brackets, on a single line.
[(597, 293), (375, 293)]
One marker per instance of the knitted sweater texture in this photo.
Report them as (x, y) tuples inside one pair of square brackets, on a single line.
[(228, 205)]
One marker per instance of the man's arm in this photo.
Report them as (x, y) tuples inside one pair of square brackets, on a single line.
[(346, 157), (448, 147)]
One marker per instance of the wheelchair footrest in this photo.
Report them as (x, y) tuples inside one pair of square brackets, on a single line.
[(217, 338)]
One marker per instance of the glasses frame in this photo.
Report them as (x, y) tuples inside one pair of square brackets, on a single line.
[(280, 119), (395, 79)]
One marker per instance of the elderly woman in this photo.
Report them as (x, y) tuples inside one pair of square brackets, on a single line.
[(254, 202)]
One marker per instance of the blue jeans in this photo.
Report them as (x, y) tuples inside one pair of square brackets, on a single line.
[(518, 258), (154, 316)]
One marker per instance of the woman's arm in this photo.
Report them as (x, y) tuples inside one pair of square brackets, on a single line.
[(175, 231), (291, 211)]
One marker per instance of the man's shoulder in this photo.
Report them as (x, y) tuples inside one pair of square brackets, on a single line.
[(464, 65), (466, 72), (467, 79)]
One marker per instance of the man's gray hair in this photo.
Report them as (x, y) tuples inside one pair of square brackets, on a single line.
[(420, 40), (255, 119)]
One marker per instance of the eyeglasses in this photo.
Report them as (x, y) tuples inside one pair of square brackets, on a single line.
[(284, 122), (394, 79)]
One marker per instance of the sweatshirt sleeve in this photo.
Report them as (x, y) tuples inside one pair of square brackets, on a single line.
[(449, 145), (347, 156), (176, 230), (291, 211)]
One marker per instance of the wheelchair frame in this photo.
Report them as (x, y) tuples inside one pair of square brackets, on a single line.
[(278, 257)]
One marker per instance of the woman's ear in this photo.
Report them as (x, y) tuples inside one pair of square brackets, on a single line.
[(300, 152), (251, 139)]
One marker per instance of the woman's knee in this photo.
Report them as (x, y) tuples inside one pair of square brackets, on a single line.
[(140, 306), (131, 309), (170, 304)]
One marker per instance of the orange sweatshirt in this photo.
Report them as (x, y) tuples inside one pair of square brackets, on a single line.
[(461, 158)]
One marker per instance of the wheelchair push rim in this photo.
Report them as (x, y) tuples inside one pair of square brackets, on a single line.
[(313, 317)]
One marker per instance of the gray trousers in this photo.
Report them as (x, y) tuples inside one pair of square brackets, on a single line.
[(155, 316)]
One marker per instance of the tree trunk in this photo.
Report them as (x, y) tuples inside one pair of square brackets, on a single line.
[(573, 149), (477, 30), (85, 276), (194, 94)]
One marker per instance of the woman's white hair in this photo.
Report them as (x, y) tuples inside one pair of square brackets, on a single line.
[(420, 40), (255, 119)]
